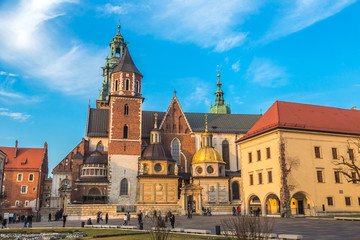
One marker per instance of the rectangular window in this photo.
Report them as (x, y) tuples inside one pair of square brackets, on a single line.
[(351, 153), (330, 201), (23, 189), (337, 177), (250, 157), (31, 177), (19, 177), (258, 155), (26, 203), (320, 176), (268, 153), (334, 153), (270, 176), (260, 178), (347, 201), (353, 176), (317, 152), (251, 179)]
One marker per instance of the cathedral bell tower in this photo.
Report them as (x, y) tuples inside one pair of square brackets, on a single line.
[(117, 49), (125, 103)]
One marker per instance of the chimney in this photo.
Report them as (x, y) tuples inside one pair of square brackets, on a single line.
[(353, 108), (16, 149)]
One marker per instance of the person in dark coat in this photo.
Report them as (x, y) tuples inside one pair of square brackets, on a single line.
[(3, 224), (30, 221), (107, 218), (49, 220), (172, 220), (64, 219)]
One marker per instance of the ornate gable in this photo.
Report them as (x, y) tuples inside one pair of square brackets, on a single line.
[(175, 120)]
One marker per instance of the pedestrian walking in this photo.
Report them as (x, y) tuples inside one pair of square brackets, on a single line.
[(64, 219), (172, 221), (25, 222), (30, 221), (14, 218), (146, 214), (128, 219), (49, 220), (98, 217), (140, 218), (234, 211), (107, 218), (239, 210), (3, 224), (125, 219)]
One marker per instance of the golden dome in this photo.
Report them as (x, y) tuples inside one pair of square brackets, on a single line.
[(207, 155)]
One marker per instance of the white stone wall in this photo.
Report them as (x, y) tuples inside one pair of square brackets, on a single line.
[(123, 166), (57, 179), (217, 140)]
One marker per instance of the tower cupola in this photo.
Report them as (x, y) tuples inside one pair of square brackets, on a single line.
[(220, 105)]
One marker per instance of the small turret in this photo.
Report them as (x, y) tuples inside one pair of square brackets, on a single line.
[(220, 106)]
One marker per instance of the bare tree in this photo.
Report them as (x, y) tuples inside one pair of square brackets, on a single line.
[(286, 165), (247, 227), (350, 164), (158, 228)]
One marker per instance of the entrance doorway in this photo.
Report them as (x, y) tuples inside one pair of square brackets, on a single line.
[(300, 206)]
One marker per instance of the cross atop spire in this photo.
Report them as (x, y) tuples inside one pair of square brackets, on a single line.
[(206, 123), (155, 123)]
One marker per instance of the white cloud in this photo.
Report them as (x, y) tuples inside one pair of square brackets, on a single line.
[(14, 115), (301, 14), (207, 23), (50, 58), (236, 66), (2, 73), (267, 74), (114, 9)]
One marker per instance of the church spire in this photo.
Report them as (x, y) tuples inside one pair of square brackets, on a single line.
[(117, 49), (220, 106)]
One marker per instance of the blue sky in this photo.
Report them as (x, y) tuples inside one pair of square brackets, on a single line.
[(52, 51)]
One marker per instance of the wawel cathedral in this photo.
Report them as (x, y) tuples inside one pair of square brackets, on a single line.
[(133, 160), (134, 157)]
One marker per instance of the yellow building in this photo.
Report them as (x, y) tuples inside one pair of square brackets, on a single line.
[(158, 174), (288, 161)]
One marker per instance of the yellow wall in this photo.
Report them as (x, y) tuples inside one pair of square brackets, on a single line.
[(303, 177), (158, 190)]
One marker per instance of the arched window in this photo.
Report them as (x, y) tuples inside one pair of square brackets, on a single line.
[(124, 187), (137, 86), (175, 150), (225, 153), (235, 191), (126, 110), (127, 85), (126, 132), (116, 85), (99, 146)]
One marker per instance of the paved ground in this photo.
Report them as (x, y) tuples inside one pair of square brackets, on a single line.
[(309, 228)]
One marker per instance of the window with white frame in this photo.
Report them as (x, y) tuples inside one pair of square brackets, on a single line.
[(26, 203), (17, 203), (19, 177), (31, 177), (24, 189)]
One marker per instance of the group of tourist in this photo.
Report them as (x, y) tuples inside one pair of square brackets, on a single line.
[(236, 211), (206, 211), (27, 220)]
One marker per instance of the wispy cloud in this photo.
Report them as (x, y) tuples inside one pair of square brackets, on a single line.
[(60, 63), (266, 73), (222, 25), (236, 66), (2, 73), (299, 14), (14, 115)]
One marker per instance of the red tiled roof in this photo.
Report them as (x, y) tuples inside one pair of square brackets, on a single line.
[(31, 158), (306, 117)]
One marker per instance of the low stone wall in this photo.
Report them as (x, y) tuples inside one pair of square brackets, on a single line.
[(44, 213), (85, 211), (220, 209)]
